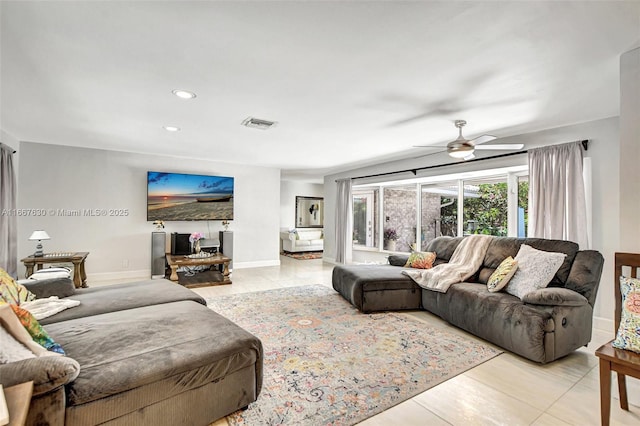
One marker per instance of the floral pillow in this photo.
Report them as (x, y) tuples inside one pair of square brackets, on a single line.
[(421, 260), (501, 276), (536, 269), (11, 292), (628, 336), (39, 335)]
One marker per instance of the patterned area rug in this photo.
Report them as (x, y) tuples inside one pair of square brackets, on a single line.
[(304, 255), (328, 364)]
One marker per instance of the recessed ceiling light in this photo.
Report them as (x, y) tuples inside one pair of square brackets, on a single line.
[(171, 128), (184, 94)]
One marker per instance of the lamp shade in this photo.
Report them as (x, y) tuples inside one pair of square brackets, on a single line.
[(39, 235)]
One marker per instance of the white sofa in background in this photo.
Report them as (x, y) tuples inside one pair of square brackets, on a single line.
[(302, 240)]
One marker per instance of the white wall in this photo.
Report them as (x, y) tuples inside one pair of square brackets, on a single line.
[(604, 151), (289, 189), (55, 177), (629, 151)]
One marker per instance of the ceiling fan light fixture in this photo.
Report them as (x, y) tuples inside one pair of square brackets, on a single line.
[(460, 150)]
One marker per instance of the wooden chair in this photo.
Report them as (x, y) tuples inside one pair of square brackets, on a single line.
[(623, 362)]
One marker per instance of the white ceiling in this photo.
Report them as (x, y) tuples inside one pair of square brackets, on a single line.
[(342, 79)]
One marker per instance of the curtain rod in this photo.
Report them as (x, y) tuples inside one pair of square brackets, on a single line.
[(585, 145)]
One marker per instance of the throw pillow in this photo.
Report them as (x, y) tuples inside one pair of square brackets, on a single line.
[(501, 276), (11, 350), (48, 273), (11, 292), (398, 259), (421, 260), (39, 335), (628, 335), (536, 269)]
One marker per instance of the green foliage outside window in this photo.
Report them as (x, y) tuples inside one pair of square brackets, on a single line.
[(487, 213)]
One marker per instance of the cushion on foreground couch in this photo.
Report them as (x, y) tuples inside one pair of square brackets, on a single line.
[(149, 352), (547, 323)]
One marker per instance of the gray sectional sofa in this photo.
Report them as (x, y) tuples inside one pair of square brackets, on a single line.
[(546, 325), (146, 353)]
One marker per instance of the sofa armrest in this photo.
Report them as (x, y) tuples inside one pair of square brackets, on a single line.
[(585, 274), (288, 236), (46, 372), (554, 296), (61, 287)]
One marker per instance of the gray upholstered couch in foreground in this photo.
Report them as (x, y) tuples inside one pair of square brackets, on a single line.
[(546, 325), (147, 353)]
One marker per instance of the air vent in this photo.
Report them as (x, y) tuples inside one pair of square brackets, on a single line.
[(257, 123)]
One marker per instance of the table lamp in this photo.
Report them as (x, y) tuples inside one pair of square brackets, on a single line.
[(39, 235)]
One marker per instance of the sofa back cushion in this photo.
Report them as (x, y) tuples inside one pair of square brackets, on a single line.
[(501, 248), (311, 234), (444, 248)]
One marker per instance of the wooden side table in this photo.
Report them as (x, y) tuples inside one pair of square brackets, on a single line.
[(77, 258), (18, 399)]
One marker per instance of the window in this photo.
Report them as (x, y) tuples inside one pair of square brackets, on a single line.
[(485, 206), (439, 211), (406, 216), (365, 227), (523, 205), (399, 212)]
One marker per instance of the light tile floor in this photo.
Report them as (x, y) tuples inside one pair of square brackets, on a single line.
[(506, 390)]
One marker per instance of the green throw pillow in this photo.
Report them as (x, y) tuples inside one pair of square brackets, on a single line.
[(501, 276), (628, 336)]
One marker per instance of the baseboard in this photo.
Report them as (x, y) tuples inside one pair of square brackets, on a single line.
[(604, 324), (331, 261), (257, 264)]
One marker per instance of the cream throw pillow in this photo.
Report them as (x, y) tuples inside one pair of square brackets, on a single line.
[(536, 269)]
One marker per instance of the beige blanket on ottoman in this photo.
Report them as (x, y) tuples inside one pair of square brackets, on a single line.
[(464, 262)]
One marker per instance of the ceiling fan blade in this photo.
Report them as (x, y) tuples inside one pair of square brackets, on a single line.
[(482, 139), (430, 146), (409, 119), (505, 146)]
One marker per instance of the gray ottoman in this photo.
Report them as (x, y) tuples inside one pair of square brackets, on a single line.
[(374, 288), (169, 364)]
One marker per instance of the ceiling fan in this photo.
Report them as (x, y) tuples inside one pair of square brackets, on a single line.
[(464, 148)]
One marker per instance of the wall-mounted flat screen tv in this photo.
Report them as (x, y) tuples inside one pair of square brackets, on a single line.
[(178, 196)]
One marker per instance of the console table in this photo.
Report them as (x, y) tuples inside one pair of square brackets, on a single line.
[(77, 258), (201, 279)]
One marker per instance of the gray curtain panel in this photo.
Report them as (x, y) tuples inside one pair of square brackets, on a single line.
[(343, 221), (557, 206), (8, 223)]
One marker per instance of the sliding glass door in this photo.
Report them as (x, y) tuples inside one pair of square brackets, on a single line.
[(365, 218)]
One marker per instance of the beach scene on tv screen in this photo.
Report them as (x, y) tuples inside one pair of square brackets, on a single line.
[(176, 196)]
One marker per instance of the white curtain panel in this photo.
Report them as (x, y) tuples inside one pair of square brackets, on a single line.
[(343, 221), (557, 206), (8, 223)]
